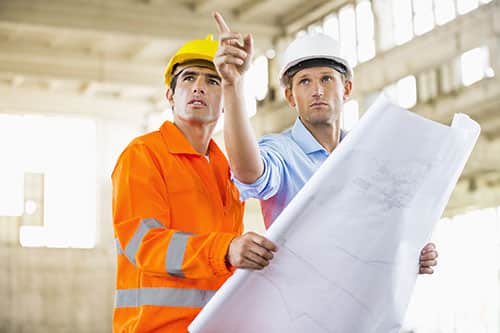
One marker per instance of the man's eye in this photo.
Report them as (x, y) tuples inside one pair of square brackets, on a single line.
[(304, 81), (214, 82), (188, 78), (326, 78)]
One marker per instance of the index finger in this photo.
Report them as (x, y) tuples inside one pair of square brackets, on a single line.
[(221, 24)]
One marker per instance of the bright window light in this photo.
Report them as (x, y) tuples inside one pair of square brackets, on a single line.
[(258, 78), (365, 31), (12, 188), (465, 6), (444, 11), (350, 115), (402, 16), (300, 34), (423, 19), (385, 23), (403, 92), (12, 146), (30, 207), (64, 150), (391, 93), (314, 29), (331, 26), (475, 65), (347, 21), (406, 90), (457, 299), (32, 236), (154, 120), (270, 54)]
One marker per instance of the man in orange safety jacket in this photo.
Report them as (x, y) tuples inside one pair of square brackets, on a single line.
[(177, 215)]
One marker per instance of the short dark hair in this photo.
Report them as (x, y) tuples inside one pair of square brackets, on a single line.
[(317, 62), (173, 82)]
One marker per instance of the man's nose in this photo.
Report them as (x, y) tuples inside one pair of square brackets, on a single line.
[(318, 89), (199, 85)]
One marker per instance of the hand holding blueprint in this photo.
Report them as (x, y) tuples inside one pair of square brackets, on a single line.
[(349, 242)]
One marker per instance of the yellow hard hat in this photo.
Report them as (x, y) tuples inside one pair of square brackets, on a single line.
[(198, 49)]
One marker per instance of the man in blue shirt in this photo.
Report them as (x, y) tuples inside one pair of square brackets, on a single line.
[(316, 82)]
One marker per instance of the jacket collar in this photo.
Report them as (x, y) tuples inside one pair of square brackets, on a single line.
[(177, 143)]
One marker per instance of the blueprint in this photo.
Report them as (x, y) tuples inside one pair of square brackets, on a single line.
[(349, 242)]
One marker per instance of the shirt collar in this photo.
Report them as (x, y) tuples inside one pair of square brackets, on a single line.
[(306, 141)]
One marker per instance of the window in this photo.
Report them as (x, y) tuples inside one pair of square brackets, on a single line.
[(475, 65), (300, 33), (402, 16), (258, 78), (314, 29), (331, 26), (398, 21), (348, 34), (465, 6), (407, 92), (423, 16), (385, 22), (58, 157), (11, 191), (404, 92), (444, 11), (365, 31), (350, 115)]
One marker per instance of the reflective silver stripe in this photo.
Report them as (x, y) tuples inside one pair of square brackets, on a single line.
[(118, 247), (179, 297), (133, 244), (175, 253)]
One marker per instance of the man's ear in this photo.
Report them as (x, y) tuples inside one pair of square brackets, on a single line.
[(289, 97), (170, 97), (347, 90)]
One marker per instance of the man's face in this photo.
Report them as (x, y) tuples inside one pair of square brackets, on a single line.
[(197, 98), (318, 94)]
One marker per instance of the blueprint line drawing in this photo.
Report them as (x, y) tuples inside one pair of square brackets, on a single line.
[(349, 241)]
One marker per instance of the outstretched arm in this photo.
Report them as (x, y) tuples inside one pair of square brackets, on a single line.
[(232, 60)]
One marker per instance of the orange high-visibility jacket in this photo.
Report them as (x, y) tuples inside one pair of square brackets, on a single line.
[(174, 213)]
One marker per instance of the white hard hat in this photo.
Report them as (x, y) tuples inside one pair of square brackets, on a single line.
[(312, 46)]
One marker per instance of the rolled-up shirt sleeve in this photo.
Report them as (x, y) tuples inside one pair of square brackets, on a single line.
[(268, 184)]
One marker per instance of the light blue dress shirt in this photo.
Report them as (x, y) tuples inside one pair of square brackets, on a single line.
[(290, 159)]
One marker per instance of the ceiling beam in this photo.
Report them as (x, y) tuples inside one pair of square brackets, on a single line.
[(162, 21), (247, 9), (205, 6), (51, 63), (305, 13), (480, 101)]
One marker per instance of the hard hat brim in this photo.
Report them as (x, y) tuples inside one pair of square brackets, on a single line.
[(296, 62)]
